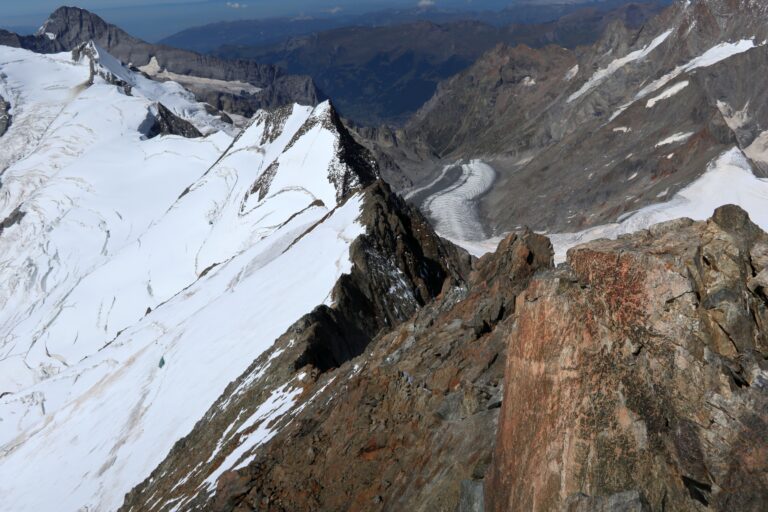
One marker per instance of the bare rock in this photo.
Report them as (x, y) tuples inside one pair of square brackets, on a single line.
[(640, 367), (5, 116)]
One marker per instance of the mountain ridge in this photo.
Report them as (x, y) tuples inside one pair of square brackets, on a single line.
[(67, 27)]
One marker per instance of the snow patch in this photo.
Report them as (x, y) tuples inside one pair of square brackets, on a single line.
[(675, 138), (735, 119), (710, 57), (668, 93), (602, 74), (571, 74)]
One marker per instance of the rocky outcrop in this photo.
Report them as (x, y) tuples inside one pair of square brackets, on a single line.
[(399, 265), (14, 218), (5, 116), (165, 122), (636, 376)]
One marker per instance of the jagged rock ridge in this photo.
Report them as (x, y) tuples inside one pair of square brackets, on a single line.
[(403, 426)]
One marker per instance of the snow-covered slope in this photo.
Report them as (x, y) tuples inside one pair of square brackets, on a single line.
[(138, 277)]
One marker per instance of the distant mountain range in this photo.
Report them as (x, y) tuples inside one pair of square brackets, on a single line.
[(240, 87), (384, 73), (261, 32)]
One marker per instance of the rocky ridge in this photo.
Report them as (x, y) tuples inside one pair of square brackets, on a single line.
[(657, 401), (399, 265), (5, 116), (404, 425)]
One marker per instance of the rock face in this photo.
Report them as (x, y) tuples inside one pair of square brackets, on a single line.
[(636, 376), (508, 87), (166, 122), (406, 426), (586, 137), (69, 27), (5, 116)]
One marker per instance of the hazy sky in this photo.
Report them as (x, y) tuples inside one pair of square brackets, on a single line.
[(154, 19)]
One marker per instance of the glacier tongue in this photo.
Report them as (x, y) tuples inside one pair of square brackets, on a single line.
[(143, 276)]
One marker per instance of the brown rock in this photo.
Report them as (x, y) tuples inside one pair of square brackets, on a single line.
[(636, 377)]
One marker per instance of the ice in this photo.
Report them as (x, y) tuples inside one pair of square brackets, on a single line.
[(674, 138), (454, 209), (171, 94)]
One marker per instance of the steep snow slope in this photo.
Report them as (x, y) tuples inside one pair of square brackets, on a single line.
[(138, 277)]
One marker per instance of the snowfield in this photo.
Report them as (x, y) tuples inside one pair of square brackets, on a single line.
[(141, 276)]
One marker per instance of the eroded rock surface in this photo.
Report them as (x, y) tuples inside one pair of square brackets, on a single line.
[(636, 376)]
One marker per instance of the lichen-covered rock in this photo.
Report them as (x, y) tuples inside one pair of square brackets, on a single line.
[(636, 376)]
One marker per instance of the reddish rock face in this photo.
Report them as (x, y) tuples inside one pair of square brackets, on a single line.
[(636, 376)]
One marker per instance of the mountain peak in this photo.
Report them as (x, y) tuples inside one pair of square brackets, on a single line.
[(73, 25)]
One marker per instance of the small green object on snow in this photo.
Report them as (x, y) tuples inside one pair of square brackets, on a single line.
[(162, 362)]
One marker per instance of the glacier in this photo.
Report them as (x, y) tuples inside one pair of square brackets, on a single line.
[(142, 275)]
